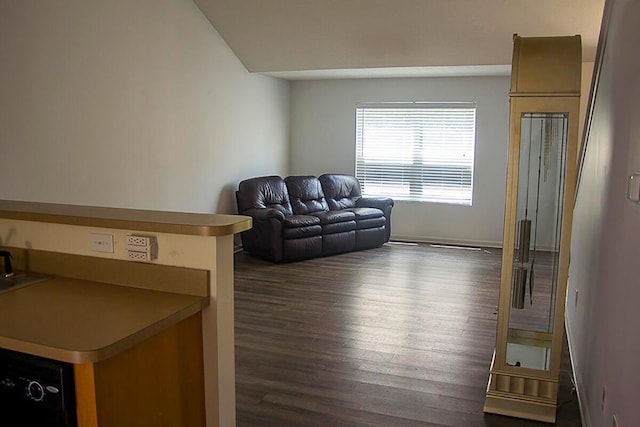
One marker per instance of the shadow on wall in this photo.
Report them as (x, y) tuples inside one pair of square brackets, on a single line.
[(227, 205), (227, 200)]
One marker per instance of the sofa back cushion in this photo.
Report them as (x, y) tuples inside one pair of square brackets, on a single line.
[(305, 194), (340, 191), (263, 192)]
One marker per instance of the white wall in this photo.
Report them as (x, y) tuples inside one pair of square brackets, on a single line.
[(131, 103), (323, 140), (602, 309)]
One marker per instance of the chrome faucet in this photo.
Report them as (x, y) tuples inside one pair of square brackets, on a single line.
[(8, 269)]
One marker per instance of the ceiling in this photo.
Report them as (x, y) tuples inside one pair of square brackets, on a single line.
[(378, 38)]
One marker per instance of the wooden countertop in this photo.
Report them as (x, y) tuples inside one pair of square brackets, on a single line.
[(79, 321), (197, 224)]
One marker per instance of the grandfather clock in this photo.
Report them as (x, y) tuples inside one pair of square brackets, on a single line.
[(541, 180)]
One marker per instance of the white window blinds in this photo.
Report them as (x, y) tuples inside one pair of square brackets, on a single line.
[(419, 152)]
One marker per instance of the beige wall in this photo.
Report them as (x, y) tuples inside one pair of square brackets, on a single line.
[(323, 140), (131, 104), (602, 306)]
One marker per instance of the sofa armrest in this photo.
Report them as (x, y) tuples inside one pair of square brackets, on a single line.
[(385, 204), (264, 213), (382, 203)]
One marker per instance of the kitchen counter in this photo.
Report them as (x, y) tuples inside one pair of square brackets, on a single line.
[(80, 321), (106, 302), (197, 224)]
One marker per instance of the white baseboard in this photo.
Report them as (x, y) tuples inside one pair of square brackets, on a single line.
[(441, 241), (582, 399)]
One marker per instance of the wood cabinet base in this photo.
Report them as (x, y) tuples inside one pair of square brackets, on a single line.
[(507, 404), (156, 383), (532, 398)]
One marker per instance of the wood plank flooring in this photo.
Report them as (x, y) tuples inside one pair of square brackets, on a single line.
[(400, 335)]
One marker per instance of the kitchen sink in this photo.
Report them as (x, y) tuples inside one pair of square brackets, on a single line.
[(20, 280)]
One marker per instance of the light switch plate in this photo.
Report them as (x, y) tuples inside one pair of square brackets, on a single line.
[(633, 188), (102, 242)]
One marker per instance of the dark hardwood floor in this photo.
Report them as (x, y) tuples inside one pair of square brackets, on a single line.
[(396, 336)]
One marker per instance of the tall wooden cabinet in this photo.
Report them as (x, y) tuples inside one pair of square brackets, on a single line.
[(541, 179)]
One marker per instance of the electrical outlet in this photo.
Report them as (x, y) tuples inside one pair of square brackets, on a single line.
[(138, 256), (102, 242), (135, 240), (141, 248)]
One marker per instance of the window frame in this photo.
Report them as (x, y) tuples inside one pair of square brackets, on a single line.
[(412, 173)]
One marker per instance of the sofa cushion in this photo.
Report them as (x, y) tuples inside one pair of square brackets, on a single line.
[(301, 232), (295, 221), (366, 213), (263, 192), (371, 223), (305, 195), (340, 191), (338, 227), (332, 217)]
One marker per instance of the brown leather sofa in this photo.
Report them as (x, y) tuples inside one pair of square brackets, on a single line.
[(303, 217)]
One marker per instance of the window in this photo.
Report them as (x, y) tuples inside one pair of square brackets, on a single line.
[(420, 151)]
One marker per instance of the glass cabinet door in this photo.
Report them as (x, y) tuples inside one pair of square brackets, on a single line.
[(541, 176)]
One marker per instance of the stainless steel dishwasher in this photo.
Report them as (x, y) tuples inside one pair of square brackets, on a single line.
[(35, 391)]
